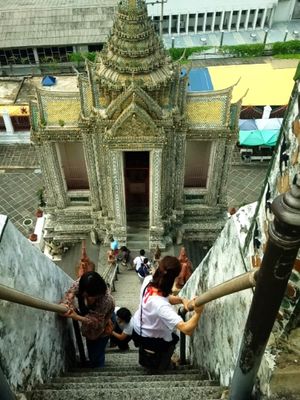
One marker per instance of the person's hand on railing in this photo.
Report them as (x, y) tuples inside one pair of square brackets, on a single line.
[(185, 303), (71, 313), (199, 309)]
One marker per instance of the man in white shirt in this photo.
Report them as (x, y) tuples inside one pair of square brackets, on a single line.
[(122, 333), (137, 262)]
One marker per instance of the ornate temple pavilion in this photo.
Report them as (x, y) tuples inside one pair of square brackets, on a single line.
[(134, 145)]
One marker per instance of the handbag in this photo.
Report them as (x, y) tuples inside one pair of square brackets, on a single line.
[(148, 358)]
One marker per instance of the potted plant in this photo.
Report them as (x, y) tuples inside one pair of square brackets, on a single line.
[(39, 213), (41, 199), (33, 237)]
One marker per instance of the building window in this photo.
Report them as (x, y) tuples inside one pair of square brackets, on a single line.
[(197, 161), (209, 19), (259, 17), (192, 21), (17, 56), (218, 21), (73, 165), (183, 19), (54, 54), (226, 19), (95, 47), (174, 22), (200, 22), (166, 24), (156, 23)]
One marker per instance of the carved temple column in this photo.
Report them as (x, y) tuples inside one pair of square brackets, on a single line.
[(156, 228), (91, 171), (54, 175), (118, 196)]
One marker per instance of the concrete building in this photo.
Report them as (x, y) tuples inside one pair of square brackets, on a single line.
[(220, 15), (39, 32)]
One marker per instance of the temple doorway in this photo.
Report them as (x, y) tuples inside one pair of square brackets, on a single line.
[(136, 174)]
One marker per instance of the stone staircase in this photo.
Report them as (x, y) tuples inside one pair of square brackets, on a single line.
[(123, 378), (138, 229)]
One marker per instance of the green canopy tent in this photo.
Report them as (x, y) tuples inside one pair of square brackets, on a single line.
[(265, 134)]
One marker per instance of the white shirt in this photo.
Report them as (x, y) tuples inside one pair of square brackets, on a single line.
[(159, 318), (138, 262), (126, 328)]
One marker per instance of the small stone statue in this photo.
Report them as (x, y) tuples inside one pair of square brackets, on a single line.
[(56, 248), (186, 269), (85, 264)]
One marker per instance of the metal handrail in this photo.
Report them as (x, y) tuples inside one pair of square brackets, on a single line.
[(16, 296), (240, 282)]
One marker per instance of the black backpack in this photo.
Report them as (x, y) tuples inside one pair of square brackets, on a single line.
[(143, 271)]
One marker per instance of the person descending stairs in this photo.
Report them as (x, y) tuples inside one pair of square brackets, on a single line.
[(123, 377)]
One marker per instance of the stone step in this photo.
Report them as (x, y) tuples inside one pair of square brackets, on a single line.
[(138, 236), (134, 229), (137, 246), (132, 378), (123, 365), (192, 393), (98, 384), (129, 372)]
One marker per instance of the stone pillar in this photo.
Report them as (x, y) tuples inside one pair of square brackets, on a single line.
[(264, 18), (178, 24), (247, 19), (170, 24), (7, 122), (204, 22), (196, 23), (238, 20), (222, 20), (271, 17), (155, 176), (156, 228), (213, 22), (36, 56), (255, 18), (90, 166), (55, 174), (230, 21), (225, 172), (117, 177), (187, 23)]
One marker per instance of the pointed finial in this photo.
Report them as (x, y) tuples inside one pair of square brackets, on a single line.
[(85, 264)]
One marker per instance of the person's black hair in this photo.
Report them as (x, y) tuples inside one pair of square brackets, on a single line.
[(164, 276), (124, 314), (92, 284), (142, 252), (145, 260)]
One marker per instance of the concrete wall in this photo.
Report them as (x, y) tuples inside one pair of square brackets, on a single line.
[(33, 343), (193, 6), (284, 11), (215, 346)]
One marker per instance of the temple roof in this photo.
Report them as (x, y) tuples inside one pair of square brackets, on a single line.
[(134, 48)]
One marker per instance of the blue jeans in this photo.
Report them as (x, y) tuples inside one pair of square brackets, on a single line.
[(96, 350)]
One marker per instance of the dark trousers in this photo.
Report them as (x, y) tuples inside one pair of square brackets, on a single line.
[(122, 344), (96, 351), (165, 349)]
